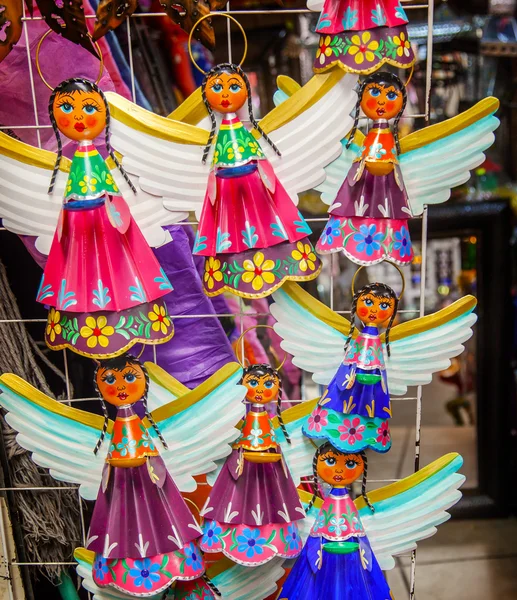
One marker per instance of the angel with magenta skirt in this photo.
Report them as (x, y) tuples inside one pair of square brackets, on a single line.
[(252, 512)]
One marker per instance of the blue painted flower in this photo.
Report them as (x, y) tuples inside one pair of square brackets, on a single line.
[(319, 523), (292, 537), (250, 542), (211, 534), (125, 446), (349, 18), (368, 239), (377, 151), (337, 525), (100, 567), (400, 13), (402, 242), (331, 231), (193, 557), (145, 573), (146, 440)]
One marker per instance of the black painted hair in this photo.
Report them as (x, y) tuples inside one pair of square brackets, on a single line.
[(211, 585), (72, 86), (119, 363), (230, 68), (328, 447), (260, 371), (380, 290), (382, 78)]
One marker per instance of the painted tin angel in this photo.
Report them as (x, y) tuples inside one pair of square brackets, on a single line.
[(362, 369), (142, 534), (349, 544)]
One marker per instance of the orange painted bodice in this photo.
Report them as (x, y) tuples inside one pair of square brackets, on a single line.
[(131, 443), (379, 145), (257, 432)]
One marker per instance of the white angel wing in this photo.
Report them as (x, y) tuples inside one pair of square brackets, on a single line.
[(199, 426), (311, 139), (337, 171), (164, 154), (316, 346), (410, 510), (243, 583), (60, 438), (442, 156), (436, 339)]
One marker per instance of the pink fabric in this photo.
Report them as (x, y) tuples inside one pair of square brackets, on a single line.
[(246, 215), (338, 528), (366, 353), (95, 267), (357, 15)]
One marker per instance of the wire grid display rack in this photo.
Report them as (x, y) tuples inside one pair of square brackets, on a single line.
[(408, 5)]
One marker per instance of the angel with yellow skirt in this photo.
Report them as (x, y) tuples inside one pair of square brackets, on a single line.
[(362, 369)]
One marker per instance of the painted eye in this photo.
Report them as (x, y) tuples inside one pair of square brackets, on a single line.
[(392, 96), (110, 379), (375, 92), (66, 107), (384, 306), (89, 109), (368, 302), (130, 377), (234, 88), (253, 383), (269, 384), (217, 88), (351, 464), (330, 461)]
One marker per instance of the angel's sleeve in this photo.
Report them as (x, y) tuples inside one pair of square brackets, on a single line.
[(198, 425), (313, 333), (425, 345), (61, 438), (25, 206), (410, 510)]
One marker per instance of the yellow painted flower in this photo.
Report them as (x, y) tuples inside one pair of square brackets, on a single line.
[(305, 256), (258, 271), (97, 331), (254, 147), (235, 151), (216, 156), (111, 181), (403, 44), (212, 272), (88, 184), (53, 326), (158, 316), (363, 48), (324, 49), (69, 186)]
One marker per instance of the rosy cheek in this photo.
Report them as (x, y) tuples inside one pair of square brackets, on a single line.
[(327, 474), (363, 312), (390, 106), (91, 122), (382, 314), (268, 393), (63, 122), (132, 388), (371, 103), (111, 390)]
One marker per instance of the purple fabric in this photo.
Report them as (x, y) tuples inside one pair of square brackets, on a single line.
[(199, 346), (262, 488)]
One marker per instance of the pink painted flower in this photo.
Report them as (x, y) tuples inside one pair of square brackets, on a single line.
[(351, 432), (318, 419), (384, 433)]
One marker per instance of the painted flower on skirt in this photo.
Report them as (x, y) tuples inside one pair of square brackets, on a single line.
[(305, 256), (363, 48), (368, 239), (212, 272), (319, 523), (337, 526), (53, 326), (159, 318), (145, 573), (100, 567), (97, 331), (250, 542), (402, 242), (235, 151), (193, 557), (318, 419), (253, 146), (110, 181), (351, 431), (88, 184), (331, 231), (258, 271), (211, 534), (292, 537), (254, 437), (403, 44), (384, 434), (125, 446), (324, 49)]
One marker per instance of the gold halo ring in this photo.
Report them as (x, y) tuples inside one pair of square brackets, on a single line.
[(241, 337), (410, 75), (390, 263), (38, 66), (216, 14)]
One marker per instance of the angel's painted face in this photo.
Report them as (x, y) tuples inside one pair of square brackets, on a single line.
[(375, 310), (263, 387), (381, 101), (79, 115), (121, 386), (339, 469), (226, 92)]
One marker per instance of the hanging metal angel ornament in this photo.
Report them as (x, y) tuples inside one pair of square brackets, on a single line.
[(361, 369), (360, 36), (350, 543), (380, 182), (142, 533), (242, 184)]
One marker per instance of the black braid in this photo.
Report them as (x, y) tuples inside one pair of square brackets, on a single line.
[(83, 85), (352, 321), (104, 426), (382, 78), (315, 493), (231, 68), (150, 417), (212, 585), (365, 478), (279, 410)]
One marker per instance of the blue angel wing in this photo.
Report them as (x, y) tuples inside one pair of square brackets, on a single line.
[(61, 438)]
